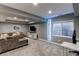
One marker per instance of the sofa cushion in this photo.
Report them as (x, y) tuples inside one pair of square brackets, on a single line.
[(4, 36), (23, 39), (10, 34), (18, 33), (14, 34)]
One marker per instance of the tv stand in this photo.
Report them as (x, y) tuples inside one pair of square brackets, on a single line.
[(33, 35)]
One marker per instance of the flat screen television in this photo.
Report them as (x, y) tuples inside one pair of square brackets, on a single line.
[(32, 29)]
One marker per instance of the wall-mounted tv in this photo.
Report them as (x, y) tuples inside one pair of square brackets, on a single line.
[(32, 29)]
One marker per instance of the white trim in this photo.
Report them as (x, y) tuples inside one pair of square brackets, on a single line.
[(62, 36)]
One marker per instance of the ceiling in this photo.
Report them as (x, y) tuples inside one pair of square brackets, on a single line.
[(41, 9), (11, 15)]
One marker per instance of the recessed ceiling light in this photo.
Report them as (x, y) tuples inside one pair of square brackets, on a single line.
[(35, 3), (49, 11)]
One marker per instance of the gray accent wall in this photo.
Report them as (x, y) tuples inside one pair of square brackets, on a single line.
[(76, 9), (9, 27), (76, 25), (76, 19)]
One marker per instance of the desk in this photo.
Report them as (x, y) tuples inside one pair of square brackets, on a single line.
[(70, 46)]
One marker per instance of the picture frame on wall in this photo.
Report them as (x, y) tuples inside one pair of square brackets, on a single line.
[(16, 28)]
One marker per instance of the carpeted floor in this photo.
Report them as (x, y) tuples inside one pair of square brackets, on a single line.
[(36, 48)]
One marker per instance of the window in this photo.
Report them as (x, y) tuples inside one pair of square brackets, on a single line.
[(63, 28)]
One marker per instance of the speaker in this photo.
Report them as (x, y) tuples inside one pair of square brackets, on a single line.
[(74, 37)]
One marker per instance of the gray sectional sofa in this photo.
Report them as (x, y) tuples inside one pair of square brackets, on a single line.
[(9, 41)]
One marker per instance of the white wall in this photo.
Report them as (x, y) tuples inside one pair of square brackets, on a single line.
[(41, 30), (8, 27)]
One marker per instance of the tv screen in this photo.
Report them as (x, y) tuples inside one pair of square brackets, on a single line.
[(32, 29)]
